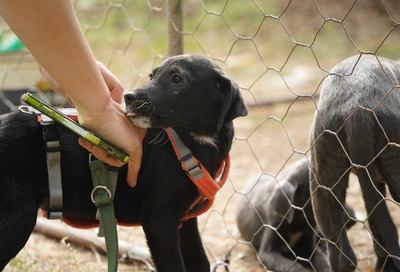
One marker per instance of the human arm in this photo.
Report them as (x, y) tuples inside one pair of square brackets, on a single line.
[(114, 85), (50, 31)]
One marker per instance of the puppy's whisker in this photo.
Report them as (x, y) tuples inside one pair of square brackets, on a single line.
[(139, 104), (160, 136), (144, 103), (147, 108)]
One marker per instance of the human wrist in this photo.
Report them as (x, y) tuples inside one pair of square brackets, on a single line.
[(94, 113)]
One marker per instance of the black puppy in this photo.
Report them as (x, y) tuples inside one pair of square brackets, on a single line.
[(187, 93), (277, 218)]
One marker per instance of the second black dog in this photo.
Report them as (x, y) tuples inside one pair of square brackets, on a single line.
[(277, 218), (356, 128)]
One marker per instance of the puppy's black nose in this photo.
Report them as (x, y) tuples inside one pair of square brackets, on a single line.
[(136, 96), (129, 97)]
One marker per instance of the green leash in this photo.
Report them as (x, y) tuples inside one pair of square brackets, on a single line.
[(103, 199)]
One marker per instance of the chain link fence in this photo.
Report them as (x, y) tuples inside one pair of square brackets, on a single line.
[(279, 52)]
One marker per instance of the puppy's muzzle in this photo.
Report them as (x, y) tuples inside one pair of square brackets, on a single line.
[(138, 103), (139, 108)]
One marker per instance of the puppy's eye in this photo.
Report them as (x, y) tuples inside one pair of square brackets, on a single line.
[(151, 76), (177, 79)]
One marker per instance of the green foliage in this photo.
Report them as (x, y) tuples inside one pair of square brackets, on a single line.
[(20, 265), (138, 29)]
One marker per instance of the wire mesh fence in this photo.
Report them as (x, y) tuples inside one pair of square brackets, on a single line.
[(280, 53)]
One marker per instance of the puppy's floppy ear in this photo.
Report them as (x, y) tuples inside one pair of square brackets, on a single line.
[(233, 105), (281, 200)]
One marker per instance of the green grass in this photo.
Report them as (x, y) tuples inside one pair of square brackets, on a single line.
[(331, 31), (21, 265)]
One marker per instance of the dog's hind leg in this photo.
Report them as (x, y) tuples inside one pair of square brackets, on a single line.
[(382, 227), (17, 220), (329, 175), (193, 253), (373, 173), (389, 172)]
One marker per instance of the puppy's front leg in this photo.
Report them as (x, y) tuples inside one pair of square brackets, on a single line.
[(193, 253), (270, 253), (163, 240), (320, 260)]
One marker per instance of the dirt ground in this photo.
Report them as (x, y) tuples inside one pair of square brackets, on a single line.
[(267, 139)]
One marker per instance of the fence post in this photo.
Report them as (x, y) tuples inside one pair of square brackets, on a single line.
[(175, 38)]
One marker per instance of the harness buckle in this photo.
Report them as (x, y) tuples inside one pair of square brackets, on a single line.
[(52, 146), (50, 137), (192, 166), (196, 173)]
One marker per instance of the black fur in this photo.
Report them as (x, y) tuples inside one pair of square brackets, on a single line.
[(357, 117), (163, 193), (271, 203)]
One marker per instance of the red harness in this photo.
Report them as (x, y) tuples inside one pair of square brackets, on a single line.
[(207, 185)]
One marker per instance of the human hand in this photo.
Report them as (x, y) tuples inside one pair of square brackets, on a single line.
[(115, 127), (111, 124)]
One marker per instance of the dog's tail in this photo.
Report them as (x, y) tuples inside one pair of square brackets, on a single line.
[(360, 131)]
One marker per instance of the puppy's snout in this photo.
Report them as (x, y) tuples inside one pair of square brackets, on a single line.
[(137, 102), (135, 97), (130, 97)]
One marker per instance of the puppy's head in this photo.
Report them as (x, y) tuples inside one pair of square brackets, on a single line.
[(189, 92)]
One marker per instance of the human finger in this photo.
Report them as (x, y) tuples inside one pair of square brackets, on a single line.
[(113, 83), (133, 167), (135, 160), (99, 153)]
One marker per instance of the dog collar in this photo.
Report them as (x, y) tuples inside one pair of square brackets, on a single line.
[(207, 185)]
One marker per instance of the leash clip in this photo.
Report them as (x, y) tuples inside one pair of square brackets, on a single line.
[(28, 110)]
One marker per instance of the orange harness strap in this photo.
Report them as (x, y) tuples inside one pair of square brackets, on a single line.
[(207, 185)]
